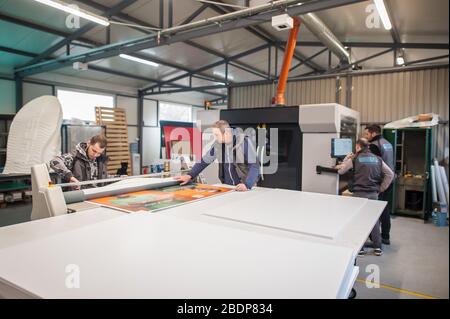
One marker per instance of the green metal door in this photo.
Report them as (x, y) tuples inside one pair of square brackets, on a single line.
[(391, 136)]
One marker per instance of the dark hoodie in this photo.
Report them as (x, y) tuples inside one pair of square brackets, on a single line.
[(77, 164)]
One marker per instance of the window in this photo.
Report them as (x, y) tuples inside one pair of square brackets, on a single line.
[(175, 112), (81, 105)]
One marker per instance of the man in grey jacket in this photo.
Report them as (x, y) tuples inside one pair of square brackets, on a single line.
[(87, 162), (371, 176)]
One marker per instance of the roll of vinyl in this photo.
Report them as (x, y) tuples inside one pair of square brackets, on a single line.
[(74, 197), (444, 181), (433, 185), (128, 186), (439, 184)]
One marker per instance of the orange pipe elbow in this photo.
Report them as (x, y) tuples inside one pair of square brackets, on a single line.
[(289, 53)]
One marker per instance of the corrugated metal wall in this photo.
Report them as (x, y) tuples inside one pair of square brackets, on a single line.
[(301, 92), (392, 96), (381, 98)]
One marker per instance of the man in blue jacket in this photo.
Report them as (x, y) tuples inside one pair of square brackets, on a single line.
[(238, 165)]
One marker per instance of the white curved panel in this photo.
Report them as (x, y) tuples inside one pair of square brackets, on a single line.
[(34, 136)]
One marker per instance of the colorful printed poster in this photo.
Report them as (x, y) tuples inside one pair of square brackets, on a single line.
[(157, 199)]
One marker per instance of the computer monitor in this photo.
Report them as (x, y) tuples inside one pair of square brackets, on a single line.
[(340, 147)]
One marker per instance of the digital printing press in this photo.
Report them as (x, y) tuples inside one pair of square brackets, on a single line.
[(305, 142), (265, 243)]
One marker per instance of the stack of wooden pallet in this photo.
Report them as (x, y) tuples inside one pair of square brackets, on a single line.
[(118, 149)]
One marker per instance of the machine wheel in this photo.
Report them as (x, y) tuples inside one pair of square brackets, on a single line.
[(352, 294)]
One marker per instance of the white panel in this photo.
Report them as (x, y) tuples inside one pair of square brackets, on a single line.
[(130, 105), (133, 134), (317, 151), (150, 115), (151, 145), (32, 91), (152, 256), (7, 97), (35, 129), (312, 217)]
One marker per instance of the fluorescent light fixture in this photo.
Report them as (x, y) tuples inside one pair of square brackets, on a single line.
[(132, 58), (400, 60), (78, 12), (381, 8)]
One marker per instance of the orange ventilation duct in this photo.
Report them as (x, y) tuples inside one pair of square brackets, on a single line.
[(289, 53)]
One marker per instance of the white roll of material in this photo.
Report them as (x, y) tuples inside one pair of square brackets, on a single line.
[(439, 184), (444, 181), (433, 185)]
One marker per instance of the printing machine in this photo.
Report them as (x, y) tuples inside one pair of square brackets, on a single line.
[(304, 141)]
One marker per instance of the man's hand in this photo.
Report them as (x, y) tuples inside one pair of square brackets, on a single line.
[(241, 188), (183, 179), (349, 156), (74, 180)]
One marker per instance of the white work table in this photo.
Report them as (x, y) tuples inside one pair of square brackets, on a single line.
[(266, 243), (335, 220)]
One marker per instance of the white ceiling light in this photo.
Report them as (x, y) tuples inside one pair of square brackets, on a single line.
[(381, 8), (132, 58), (400, 60), (78, 12)]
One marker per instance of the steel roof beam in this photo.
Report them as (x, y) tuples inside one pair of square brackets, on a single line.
[(430, 46), (308, 59), (188, 89), (263, 35), (373, 56), (91, 44), (125, 17), (73, 36), (428, 59), (106, 70), (152, 41), (213, 65)]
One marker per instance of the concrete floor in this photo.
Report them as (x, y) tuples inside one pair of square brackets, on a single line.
[(415, 265)]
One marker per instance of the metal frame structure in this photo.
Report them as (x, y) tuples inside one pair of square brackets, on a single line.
[(44, 61)]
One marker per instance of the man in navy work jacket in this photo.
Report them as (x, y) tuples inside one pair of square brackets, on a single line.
[(238, 165), (382, 148)]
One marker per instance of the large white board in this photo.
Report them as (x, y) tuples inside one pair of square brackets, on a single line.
[(160, 256), (306, 213)]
